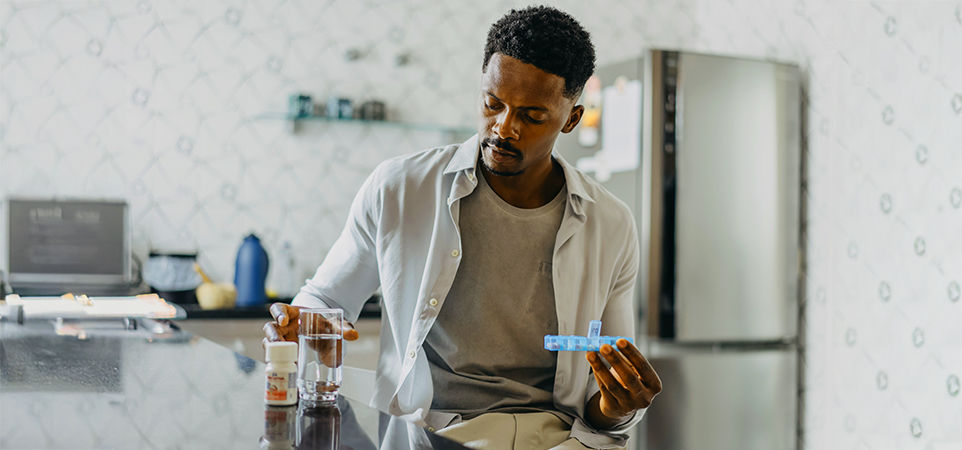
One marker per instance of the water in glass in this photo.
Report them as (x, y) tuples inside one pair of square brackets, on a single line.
[(319, 367)]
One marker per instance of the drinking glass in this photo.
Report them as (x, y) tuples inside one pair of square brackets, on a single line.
[(319, 354)]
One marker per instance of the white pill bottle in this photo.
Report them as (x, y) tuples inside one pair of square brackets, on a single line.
[(281, 374)]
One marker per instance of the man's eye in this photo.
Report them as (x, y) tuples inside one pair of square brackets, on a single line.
[(492, 106), (533, 119)]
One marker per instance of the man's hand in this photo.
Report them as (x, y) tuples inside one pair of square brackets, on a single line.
[(286, 323), (629, 385)]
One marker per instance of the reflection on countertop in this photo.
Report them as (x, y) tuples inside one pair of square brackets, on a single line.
[(126, 389)]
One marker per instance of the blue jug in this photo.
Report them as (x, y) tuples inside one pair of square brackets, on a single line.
[(250, 273)]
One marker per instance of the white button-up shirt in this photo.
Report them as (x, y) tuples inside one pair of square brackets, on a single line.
[(402, 235)]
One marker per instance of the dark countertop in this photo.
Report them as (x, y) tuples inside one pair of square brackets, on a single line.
[(194, 311), (107, 387)]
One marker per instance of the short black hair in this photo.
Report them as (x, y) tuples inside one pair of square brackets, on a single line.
[(548, 39)]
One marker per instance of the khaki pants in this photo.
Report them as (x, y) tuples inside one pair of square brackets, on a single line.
[(528, 431)]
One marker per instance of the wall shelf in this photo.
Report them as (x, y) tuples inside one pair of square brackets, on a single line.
[(295, 120)]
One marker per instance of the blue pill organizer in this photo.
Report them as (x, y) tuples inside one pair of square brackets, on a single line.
[(592, 342)]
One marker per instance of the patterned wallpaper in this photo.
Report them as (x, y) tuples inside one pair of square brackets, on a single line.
[(156, 102)]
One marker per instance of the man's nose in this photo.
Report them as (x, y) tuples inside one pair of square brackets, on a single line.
[(506, 127)]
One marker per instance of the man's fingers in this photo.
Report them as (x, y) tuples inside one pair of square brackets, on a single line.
[(289, 332), (648, 375), (271, 333), (629, 377), (279, 313), (321, 325), (286, 324), (332, 354), (284, 314), (606, 381), (276, 333), (349, 332), (646, 397)]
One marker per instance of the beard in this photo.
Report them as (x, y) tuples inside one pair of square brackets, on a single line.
[(505, 147), (500, 173)]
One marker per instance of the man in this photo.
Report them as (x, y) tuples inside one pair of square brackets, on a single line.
[(481, 249)]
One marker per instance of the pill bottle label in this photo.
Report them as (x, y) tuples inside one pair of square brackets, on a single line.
[(280, 387)]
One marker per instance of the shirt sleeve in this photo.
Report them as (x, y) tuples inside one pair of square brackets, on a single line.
[(618, 318), (349, 273)]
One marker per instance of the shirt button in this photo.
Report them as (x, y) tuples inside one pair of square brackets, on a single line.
[(455, 253), (433, 302), (431, 429), (412, 354)]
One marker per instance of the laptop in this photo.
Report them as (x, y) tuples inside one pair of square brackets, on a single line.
[(50, 247)]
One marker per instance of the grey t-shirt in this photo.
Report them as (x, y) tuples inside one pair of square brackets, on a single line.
[(486, 348)]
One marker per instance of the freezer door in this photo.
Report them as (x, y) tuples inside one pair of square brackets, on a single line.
[(736, 223), (737, 400)]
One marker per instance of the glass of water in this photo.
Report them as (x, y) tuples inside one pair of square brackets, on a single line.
[(319, 354)]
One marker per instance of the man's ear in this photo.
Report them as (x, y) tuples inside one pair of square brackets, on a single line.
[(573, 118)]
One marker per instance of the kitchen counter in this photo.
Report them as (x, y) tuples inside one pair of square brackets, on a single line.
[(98, 385), (371, 309)]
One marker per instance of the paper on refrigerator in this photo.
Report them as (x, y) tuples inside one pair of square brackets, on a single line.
[(620, 131)]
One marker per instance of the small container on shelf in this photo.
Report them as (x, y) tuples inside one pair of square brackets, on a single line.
[(340, 108), (320, 110), (373, 110), (300, 105)]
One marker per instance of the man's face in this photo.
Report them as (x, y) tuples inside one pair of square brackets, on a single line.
[(523, 109)]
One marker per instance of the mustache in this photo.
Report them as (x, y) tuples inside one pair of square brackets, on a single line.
[(502, 145)]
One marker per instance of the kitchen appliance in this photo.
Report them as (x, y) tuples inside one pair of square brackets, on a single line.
[(171, 275), (715, 194), (50, 247)]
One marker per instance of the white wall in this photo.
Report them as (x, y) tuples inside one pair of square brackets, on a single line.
[(152, 102)]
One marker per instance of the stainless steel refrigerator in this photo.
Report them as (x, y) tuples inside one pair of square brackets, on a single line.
[(715, 191)]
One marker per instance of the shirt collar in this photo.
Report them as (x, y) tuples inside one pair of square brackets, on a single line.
[(466, 159)]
